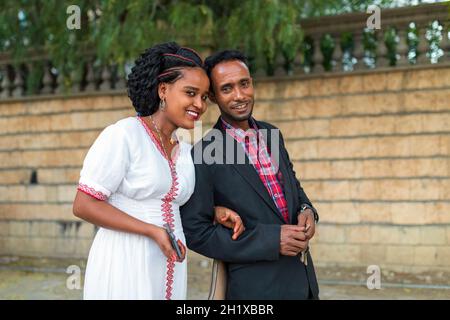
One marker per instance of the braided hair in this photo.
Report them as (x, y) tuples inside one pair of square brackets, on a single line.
[(160, 63)]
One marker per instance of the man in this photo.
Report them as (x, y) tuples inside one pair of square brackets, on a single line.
[(270, 260)]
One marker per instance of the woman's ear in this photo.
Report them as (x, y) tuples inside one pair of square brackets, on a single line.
[(162, 90)]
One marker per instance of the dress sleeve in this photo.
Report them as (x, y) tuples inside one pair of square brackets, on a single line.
[(106, 163)]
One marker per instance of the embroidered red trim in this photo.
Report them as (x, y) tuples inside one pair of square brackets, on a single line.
[(166, 207), (169, 278), (156, 141), (92, 192)]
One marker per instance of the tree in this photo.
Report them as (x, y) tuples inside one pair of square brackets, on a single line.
[(116, 31)]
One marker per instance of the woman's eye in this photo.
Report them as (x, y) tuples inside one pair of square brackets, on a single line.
[(204, 98), (191, 93)]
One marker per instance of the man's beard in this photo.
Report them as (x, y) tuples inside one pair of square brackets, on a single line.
[(240, 118)]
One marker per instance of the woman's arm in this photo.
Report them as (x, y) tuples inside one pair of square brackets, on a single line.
[(229, 219), (102, 214)]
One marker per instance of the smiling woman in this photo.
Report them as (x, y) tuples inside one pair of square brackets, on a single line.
[(135, 177)]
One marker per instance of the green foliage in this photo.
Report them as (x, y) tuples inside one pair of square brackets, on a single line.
[(347, 47), (117, 31), (253, 28), (317, 8), (327, 46), (290, 37), (412, 40), (308, 54), (369, 41), (391, 40), (434, 37)]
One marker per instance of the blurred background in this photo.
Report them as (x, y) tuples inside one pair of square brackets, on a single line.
[(361, 96)]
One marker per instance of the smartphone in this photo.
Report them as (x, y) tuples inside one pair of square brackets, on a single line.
[(173, 240)]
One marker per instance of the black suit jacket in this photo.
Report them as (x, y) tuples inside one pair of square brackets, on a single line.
[(256, 270)]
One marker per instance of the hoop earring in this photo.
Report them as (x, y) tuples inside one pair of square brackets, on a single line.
[(162, 104)]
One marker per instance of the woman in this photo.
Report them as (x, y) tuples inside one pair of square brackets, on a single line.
[(135, 177)]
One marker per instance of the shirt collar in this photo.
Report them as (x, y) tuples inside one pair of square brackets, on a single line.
[(237, 133)]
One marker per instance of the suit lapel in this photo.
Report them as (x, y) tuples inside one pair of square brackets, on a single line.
[(247, 171), (284, 168), (287, 186)]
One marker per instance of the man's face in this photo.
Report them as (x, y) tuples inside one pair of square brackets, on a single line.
[(233, 91)]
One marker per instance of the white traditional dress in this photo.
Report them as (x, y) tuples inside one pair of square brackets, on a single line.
[(126, 167)]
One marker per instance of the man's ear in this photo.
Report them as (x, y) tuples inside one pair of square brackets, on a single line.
[(211, 96)]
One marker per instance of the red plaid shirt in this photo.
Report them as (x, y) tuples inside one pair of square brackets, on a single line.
[(260, 159)]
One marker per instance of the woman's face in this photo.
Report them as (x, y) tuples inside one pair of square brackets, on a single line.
[(186, 97)]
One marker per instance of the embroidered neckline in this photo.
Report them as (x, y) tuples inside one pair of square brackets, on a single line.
[(156, 141)]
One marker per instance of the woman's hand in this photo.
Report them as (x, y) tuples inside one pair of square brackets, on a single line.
[(229, 219), (162, 239)]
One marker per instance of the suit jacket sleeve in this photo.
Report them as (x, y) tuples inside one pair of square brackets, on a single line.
[(302, 197), (261, 243)]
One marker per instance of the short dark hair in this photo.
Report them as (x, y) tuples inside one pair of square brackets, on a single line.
[(222, 56), (160, 63)]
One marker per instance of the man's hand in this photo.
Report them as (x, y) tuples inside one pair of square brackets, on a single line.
[(292, 240), (229, 219), (305, 219)]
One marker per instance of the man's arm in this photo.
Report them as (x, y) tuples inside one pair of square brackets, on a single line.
[(261, 243)]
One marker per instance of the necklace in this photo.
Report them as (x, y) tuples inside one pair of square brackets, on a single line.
[(171, 140), (160, 138)]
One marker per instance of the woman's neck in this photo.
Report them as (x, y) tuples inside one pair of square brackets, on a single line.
[(165, 126)]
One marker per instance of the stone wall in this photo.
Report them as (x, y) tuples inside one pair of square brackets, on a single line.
[(372, 150)]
